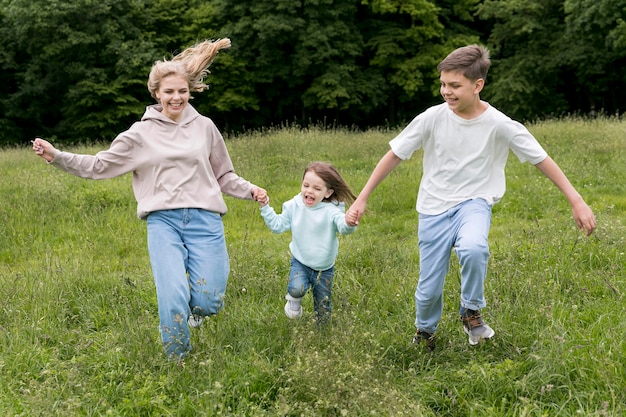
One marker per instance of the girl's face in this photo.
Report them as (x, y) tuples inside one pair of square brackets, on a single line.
[(461, 94), (314, 189), (173, 94)]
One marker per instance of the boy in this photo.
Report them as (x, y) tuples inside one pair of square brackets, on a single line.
[(466, 143)]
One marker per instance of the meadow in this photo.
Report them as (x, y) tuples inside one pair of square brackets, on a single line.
[(78, 315)]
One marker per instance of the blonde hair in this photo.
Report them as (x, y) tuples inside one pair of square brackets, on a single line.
[(191, 64)]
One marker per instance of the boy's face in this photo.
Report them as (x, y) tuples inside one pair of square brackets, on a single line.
[(461, 93)]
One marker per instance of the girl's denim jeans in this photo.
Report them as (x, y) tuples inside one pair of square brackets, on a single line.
[(301, 278)]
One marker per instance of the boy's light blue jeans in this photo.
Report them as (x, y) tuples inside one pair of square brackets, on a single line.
[(190, 266), (465, 228), (301, 278)]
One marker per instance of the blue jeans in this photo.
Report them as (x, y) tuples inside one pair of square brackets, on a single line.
[(465, 228), (190, 266), (301, 278)]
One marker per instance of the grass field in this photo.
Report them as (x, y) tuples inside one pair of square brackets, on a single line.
[(78, 316)]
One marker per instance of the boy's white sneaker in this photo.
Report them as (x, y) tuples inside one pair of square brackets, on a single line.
[(293, 307)]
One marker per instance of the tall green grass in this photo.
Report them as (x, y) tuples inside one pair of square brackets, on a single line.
[(78, 315)]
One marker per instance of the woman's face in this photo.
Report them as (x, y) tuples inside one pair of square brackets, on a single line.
[(173, 94)]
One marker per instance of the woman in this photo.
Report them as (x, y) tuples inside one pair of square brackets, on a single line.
[(180, 168)]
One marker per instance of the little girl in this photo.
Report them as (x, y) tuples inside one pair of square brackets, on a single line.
[(314, 216)]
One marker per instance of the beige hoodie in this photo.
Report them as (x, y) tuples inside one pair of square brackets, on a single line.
[(175, 165)]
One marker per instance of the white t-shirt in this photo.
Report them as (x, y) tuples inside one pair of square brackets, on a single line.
[(464, 159)]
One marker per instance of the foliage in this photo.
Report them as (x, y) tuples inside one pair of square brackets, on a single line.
[(406, 41), (76, 71), (595, 39), (79, 324), (526, 75), (355, 63), (554, 57), (75, 68), (301, 58)]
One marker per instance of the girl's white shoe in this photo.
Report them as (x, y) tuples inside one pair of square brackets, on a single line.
[(293, 307)]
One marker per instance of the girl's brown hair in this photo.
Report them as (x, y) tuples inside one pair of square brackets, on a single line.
[(191, 64), (329, 174)]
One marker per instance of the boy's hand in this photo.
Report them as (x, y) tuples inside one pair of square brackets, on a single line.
[(584, 218)]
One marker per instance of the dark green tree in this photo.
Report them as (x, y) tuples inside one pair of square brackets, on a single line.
[(77, 74), (594, 50), (292, 60), (526, 75), (9, 130), (555, 57), (405, 42), (354, 62), (77, 70)]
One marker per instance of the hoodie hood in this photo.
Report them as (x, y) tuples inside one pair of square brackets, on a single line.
[(154, 113)]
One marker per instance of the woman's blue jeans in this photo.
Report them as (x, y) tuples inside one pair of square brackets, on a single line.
[(190, 266), (301, 278), (465, 228)]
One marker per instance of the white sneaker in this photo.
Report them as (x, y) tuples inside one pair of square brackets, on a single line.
[(195, 321), (293, 307)]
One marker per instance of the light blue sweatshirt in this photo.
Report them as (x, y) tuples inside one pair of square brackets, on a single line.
[(314, 230)]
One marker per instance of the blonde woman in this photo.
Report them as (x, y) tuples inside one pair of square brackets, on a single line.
[(180, 167)]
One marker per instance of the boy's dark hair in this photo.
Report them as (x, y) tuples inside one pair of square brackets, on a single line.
[(329, 174), (473, 60)]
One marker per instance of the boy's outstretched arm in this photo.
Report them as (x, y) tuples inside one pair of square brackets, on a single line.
[(386, 164), (583, 216)]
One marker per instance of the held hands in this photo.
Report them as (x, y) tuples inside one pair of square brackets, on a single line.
[(44, 149), (355, 212), (260, 195), (352, 218)]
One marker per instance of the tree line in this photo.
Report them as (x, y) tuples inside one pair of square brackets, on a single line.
[(76, 71)]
